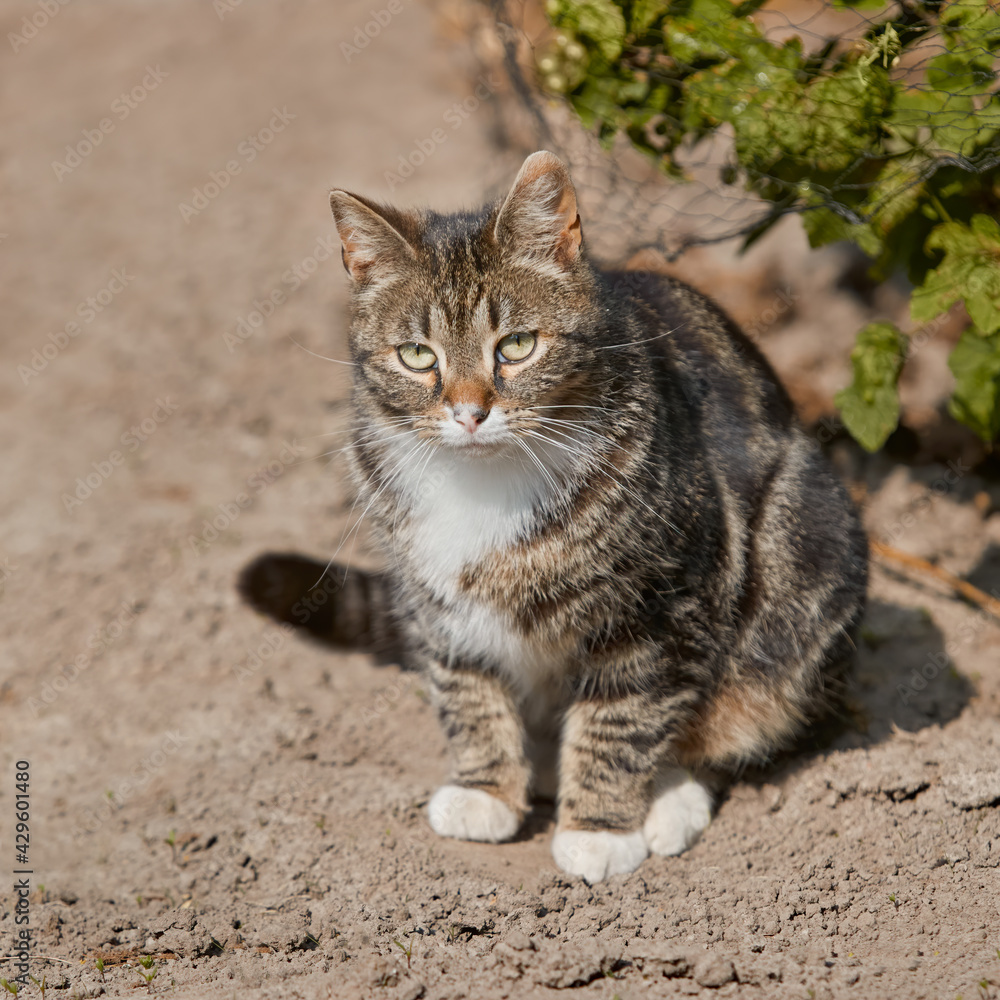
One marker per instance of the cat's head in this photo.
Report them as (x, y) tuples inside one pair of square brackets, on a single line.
[(474, 329)]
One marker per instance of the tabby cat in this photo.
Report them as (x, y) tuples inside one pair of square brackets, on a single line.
[(622, 566)]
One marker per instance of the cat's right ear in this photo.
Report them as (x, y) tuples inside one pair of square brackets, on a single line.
[(373, 248), (540, 221)]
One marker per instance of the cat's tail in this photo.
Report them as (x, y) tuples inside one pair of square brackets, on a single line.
[(350, 610)]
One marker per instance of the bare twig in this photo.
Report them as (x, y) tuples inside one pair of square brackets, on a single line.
[(963, 587), (36, 958)]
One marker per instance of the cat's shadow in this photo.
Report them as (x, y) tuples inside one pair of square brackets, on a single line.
[(986, 573), (903, 676), (903, 679)]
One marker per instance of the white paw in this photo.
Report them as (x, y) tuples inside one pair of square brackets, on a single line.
[(471, 814), (679, 814), (596, 854)]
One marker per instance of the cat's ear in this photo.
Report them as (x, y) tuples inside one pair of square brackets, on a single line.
[(373, 247), (540, 221)]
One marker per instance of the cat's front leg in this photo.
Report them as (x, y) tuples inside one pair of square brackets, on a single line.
[(488, 795), (612, 754)]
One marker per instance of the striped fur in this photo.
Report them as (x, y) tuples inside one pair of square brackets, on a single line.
[(638, 560)]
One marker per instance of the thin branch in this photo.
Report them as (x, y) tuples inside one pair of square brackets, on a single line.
[(963, 587), (36, 958)]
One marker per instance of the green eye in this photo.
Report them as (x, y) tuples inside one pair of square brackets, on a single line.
[(419, 357), (515, 346)]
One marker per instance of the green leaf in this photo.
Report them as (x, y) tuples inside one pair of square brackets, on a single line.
[(869, 406), (979, 22), (644, 13), (708, 31), (824, 226), (894, 196), (970, 270), (844, 112), (602, 21), (614, 101), (954, 123), (975, 363)]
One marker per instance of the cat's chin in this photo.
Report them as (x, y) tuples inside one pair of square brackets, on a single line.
[(475, 450)]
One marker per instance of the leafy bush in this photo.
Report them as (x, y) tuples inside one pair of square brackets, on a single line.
[(890, 140)]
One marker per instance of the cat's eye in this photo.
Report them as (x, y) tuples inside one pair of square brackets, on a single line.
[(419, 357), (515, 347)]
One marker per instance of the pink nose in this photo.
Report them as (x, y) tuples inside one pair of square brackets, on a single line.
[(470, 416)]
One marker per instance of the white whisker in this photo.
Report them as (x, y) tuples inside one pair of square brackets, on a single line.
[(573, 406), (539, 463), (348, 532), (633, 343), (606, 469), (322, 357), (388, 424), (368, 440)]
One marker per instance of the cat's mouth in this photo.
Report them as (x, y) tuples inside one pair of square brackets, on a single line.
[(488, 435)]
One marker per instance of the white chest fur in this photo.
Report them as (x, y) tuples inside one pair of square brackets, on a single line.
[(461, 510)]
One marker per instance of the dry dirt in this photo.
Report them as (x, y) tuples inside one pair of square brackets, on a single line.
[(247, 808)]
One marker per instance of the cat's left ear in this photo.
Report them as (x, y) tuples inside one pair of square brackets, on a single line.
[(540, 220), (374, 249)]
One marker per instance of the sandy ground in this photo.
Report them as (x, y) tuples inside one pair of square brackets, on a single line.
[(247, 808)]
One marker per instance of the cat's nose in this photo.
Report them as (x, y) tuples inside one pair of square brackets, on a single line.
[(470, 416)]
